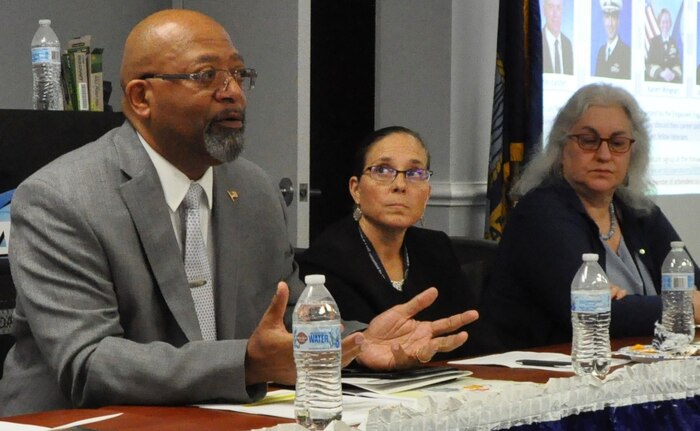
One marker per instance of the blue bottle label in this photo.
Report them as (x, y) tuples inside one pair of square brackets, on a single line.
[(316, 337), (671, 282), (590, 301), (46, 55)]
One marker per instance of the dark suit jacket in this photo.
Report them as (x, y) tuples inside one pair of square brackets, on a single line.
[(527, 301), (660, 58), (104, 313), (567, 54), (362, 293), (618, 63)]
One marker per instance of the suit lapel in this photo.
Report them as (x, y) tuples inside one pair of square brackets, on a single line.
[(143, 196), (227, 244)]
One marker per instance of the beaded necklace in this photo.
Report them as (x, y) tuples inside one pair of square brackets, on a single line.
[(613, 224), (398, 285)]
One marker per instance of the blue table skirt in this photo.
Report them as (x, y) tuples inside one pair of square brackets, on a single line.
[(682, 414)]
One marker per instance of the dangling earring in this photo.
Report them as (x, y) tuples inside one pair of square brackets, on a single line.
[(357, 213)]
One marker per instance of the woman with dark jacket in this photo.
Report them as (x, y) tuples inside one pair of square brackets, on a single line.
[(585, 193), (377, 258)]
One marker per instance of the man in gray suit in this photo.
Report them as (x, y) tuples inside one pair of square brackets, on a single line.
[(106, 312)]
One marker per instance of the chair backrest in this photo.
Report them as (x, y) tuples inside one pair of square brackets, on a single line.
[(476, 258), (7, 306)]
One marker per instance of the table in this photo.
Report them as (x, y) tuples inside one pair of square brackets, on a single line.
[(161, 418)]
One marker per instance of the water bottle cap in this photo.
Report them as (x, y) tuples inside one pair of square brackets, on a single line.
[(315, 279), (44, 22), (677, 244), (590, 257)]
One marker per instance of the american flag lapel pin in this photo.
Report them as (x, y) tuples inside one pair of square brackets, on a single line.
[(233, 195)]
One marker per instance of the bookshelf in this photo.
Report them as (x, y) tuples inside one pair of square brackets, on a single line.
[(30, 139)]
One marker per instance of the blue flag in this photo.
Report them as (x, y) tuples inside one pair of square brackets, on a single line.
[(516, 125)]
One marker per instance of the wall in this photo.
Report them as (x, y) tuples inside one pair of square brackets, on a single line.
[(435, 72), (108, 21)]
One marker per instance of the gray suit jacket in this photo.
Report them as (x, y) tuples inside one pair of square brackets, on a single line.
[(104, 314)]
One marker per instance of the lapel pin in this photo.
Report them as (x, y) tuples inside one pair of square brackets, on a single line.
[(233, 195), (642, 251)]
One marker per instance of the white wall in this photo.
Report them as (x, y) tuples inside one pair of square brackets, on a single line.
[(434, 73), (108, 21)]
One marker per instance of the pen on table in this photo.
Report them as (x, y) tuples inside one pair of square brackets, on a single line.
[(543, 363)]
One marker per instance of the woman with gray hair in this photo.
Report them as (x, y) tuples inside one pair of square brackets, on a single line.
[(585, 193)]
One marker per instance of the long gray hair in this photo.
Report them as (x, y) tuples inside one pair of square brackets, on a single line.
[(547, 164)]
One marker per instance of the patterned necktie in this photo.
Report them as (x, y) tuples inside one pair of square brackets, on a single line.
[(608, 54), (557, 59), (197, 264)]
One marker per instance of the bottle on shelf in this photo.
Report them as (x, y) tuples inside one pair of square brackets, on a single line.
[(590, 319), (677, 285), (46, 68), (317, 354)]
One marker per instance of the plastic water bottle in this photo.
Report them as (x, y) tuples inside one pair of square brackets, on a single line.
[(590, 319), (677, 285), (46, 68), (317, 354)]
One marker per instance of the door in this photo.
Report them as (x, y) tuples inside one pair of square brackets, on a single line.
[(274, 38)]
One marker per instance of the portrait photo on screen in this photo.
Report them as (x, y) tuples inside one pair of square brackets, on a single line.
[(664, 27), (557, 36), (697, 47), (611, 29)]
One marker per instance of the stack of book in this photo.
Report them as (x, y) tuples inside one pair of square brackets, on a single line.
[(82, 75)]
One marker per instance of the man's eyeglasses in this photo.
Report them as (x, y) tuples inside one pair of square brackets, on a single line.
[(385, 174), (217, 78), (591, 142)]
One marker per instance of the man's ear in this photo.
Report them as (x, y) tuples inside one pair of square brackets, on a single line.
[(138, 97)]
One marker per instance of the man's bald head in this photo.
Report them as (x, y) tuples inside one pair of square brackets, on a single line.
[(156, 42)]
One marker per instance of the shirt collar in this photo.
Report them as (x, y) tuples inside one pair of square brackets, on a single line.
[(175, 184), (611, 45), (551, 38)]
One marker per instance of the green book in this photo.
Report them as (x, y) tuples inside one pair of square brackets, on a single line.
[(96, 80)]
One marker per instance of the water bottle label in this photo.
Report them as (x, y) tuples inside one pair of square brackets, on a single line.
[(677, 281), (316, 337), (590, 302), (46, 55)]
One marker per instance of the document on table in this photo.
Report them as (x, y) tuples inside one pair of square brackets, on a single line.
[(557, 362), (388, 386), (280, 404), (11, 426)]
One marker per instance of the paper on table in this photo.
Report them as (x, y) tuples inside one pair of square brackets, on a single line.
[(391, 386), (9, 426), (86, 421), (280, 404), (509, 359)]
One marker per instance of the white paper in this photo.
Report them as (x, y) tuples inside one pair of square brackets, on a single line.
[(86, 421), (280, 404), (509, 359), (392, 386), (10, 426)]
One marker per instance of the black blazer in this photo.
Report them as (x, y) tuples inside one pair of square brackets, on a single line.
[(362, 293), (528, 298), (618, 63)]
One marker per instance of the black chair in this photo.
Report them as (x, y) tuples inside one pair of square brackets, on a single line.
[(7, 306), (475, 257)]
